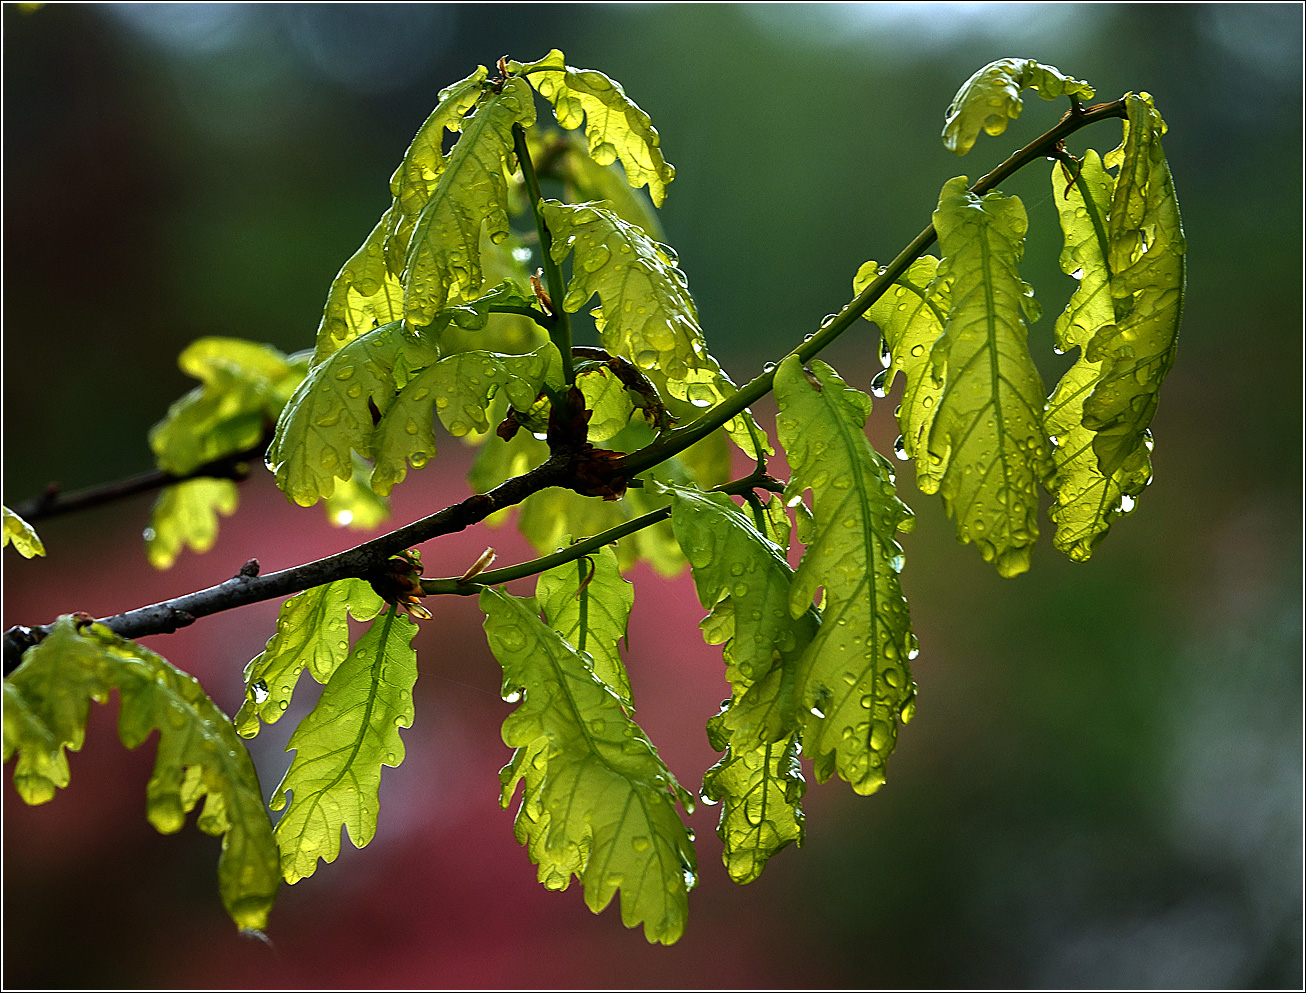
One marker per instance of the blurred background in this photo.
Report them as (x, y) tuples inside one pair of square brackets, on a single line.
[(1103, 782)]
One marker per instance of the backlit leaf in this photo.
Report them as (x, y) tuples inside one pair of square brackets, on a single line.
[(615, 126), (991, 97), (22, 535), (911, 316), (853, 677), (588, 603), (598, 802), (341, 746), (988, 429), (186, 515), (312, 633), (199, 755)]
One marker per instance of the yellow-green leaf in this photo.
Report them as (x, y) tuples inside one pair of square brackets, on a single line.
[(443, 257), (911, 316), (853, 677), (598, 802), (186, 515), (1146, 255), (341, 746), (1086, 500), (615, 126), (588, 604), (199, 755), (988, 436), (991, 98), (312, 633), (22, 535)]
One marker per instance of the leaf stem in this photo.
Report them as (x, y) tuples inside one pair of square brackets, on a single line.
[(559, 326)]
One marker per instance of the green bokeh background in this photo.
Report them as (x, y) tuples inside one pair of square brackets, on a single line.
[(1103, 785)]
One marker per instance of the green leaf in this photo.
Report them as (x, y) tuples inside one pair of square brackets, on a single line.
[(443, 258), (312, 633), (598, 800), (334, 411), (199, 756), (911, 316), (615, 126), (353, 503), (607, 400), (991, 97), (1086, 500), (987, 437), (187, 515), (646, 313), (341, 746), (1146, 255), (245, 385), (760, 792), (587, 181), (853, 676), (588, 604), (22, 534)]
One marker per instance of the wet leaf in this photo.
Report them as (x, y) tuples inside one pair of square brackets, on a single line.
[(22, 535), (991, 98)]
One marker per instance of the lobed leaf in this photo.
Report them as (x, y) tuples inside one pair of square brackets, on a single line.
[(853, 677), (22, 535), (199, 756), (341, 746), (312, 633), (1086, 501), (987, 439), (615, 126), (186, 514), (597, 801), (991, 97), (588, 604), (911, 316), (1146, 256)]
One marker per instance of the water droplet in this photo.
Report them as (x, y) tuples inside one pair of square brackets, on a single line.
[(769, 367), (639, 843), (900, 450), (707, 799), (512, 696), (878, 388), (259, 689), (1126, 503), (1077, 274)]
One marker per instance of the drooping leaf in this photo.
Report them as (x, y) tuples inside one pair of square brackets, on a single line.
[(245, 385), (364, 295), (342, 744), (760, 791), (312, 633), (1146, 255), (199, 755), (911, 316), (588, 604), (646, 313), (186, 515), (22, 535), (598, 802), (443, 258), (334, 411), (988, 434), (586, 181), (991, 97), (853, 676), (615, 126), (1086, 500)]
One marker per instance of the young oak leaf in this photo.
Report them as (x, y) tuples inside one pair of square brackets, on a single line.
[(443, 260), (21, 535), (988, 426), (341, 746), (334, 411), (588, 604), (312, 633), (853, 677), (910, 317), (198, 755), (1146, 256), (991, 98), (186, 514), (1086, 500), (597, 801), (760, 791), (615, 126), (646, 313)]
